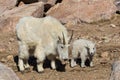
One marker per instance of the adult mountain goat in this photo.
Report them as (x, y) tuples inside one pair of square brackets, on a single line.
[(47, 35)]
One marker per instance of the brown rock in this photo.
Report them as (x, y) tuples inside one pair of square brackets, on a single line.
[(21, 4), (10, 18), (35, 9), (52, 2), (6, 5), (83, 10), (115, 74)]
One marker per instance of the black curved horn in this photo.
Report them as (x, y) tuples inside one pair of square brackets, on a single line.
[(70, 38), (63, 38)]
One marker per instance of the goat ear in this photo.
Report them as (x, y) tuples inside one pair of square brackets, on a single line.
[(87, 47), (59, 38)]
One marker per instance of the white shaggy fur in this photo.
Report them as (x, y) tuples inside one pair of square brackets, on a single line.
[(46, 35), (83, 49)]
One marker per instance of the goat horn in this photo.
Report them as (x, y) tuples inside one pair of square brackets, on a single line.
[(63, 38), (70, 38), (59, 38)]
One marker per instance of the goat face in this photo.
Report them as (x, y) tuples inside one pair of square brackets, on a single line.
[(91, 49), (62, 51), (62, 48)]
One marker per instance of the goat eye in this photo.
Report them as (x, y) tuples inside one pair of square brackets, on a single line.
[(62, 47)]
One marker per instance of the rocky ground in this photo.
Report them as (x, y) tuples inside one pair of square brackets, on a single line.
[(106, 35), (91, 19)]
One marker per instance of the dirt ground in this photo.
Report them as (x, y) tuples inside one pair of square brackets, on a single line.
[(106, 35)]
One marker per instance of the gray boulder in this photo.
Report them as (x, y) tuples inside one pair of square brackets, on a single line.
[(115, 74), (7, 73)]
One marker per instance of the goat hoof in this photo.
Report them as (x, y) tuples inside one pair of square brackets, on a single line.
[(83, 66), (22, 72), (92, 66), (27, 70), (40, 72)]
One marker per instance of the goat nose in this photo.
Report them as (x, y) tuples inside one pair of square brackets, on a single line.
[(65, 59), (92, 54)]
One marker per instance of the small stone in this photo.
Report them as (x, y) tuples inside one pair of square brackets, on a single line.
[(3, 60), (104, 55), (69, 24), (105, 39), (112, 25), (56, 74), (2, 49), (11, 39), (10, 58)]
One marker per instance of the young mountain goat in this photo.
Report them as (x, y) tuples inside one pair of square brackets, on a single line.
[(83, 49)]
